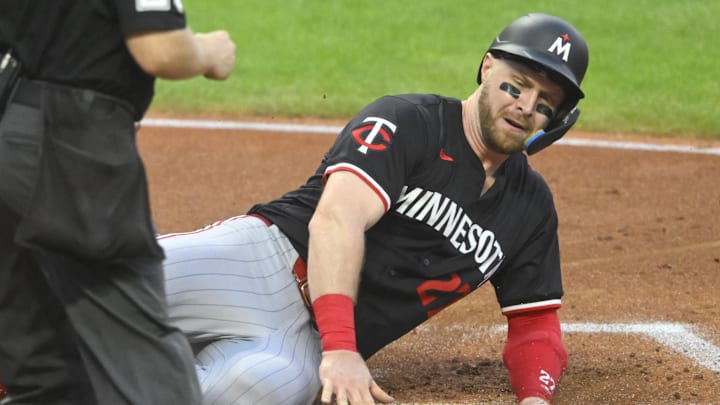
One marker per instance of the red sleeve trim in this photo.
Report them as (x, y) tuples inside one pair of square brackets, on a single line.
[(534, 353), (364, 176)]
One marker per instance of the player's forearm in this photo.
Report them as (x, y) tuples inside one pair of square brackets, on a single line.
[(347, 208), (174, 55), (534, 354), (334, 257)]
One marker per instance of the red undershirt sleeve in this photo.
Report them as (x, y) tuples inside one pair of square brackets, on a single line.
[(534, 353)]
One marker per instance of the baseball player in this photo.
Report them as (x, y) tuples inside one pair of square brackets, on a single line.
[(421, 200)]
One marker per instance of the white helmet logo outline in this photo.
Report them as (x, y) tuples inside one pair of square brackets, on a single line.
[(561, 46)]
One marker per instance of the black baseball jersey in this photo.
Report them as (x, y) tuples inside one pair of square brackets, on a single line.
[(440, 238), (82, 43)]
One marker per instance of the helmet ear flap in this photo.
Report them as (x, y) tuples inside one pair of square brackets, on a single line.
[(542, 139)]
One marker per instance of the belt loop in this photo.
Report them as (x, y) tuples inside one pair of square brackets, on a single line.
[(299, 270)]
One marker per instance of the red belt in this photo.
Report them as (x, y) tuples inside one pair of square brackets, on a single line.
[(299, 271)]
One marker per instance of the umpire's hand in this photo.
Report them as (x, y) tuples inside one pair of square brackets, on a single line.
[(221, 50)]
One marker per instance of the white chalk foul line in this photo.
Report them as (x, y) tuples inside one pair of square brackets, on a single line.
[(680, 338), (334, 130), (642, 146), (240, 125)]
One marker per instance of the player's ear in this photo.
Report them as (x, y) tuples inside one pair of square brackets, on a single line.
[(486, 66)]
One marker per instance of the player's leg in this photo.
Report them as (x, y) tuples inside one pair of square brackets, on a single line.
[(232, 278), (230, 285), (281, 368)]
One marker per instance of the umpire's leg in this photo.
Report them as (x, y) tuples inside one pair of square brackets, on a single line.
[(39, 362), (133, 355)]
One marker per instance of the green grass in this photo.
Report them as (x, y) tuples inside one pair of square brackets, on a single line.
[(653, 63)]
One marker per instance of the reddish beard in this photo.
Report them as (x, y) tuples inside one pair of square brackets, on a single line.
[(491, 136)]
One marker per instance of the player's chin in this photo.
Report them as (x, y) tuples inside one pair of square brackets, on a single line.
[(509, 142)]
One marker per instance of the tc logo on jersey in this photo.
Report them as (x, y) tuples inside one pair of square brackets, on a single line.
[(366, 135), (561, 46)]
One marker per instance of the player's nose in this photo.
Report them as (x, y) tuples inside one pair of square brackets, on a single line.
[(527, 101)]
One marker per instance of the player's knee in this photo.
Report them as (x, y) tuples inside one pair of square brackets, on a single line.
[(267, 380)]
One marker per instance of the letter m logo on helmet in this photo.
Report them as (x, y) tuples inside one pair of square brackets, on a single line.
[(561, 47)]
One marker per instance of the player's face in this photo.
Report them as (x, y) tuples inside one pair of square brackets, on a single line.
[(515, 102)]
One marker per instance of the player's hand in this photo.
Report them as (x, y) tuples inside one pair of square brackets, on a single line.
[(221, 49), (345, 377), (534, 401)]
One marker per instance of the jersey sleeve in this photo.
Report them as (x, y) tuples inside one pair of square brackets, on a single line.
[(149, 15), (381, 144), (532, 279)]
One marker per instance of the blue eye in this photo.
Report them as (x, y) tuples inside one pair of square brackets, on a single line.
[(513, 91)]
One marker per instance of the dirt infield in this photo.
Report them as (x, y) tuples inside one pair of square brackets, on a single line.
[(640, 242)]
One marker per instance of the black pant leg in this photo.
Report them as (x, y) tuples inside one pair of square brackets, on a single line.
[(39, 361), (132, 354)]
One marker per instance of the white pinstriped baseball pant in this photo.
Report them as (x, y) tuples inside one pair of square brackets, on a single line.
[(230, 289)]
